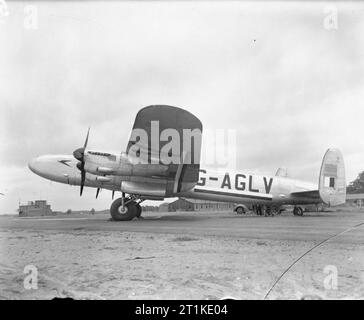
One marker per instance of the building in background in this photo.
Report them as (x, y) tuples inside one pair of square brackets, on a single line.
[(205, 205), (150, 208), (183, 204), (36, 208), (163, 207), (180, 205)]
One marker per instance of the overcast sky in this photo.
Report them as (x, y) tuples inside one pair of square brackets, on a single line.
[(290, 87)]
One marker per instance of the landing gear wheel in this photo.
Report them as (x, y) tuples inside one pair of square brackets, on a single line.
[(138, 210), (240, 210), (118, 213), (297, 211)]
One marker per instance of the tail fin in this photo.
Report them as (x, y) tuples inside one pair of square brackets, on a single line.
[(282, 172), (332, 183)]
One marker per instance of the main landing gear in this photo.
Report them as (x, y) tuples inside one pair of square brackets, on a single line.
[(298, 211), (126, 208)]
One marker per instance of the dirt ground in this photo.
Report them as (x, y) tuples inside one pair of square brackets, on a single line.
[(93, 258)]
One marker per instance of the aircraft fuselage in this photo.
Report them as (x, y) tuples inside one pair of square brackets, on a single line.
[(226, 186)]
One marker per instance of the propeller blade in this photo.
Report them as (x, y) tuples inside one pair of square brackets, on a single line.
[(86, 141), (83, 177), (113, 193), (79, 154), (97, 192)]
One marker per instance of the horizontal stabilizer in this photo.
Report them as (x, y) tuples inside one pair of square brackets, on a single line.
[(311, 194)]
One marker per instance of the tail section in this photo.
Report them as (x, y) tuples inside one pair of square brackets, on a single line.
[(332, 183), (282, 172)]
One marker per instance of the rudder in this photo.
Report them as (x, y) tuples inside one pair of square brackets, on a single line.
[(332, 182)]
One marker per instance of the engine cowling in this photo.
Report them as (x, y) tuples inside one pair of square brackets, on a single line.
[(126, 169)]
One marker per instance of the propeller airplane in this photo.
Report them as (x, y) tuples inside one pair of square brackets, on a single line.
[(162, 160)]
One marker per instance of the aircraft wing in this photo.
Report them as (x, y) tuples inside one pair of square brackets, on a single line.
[(169, 137)]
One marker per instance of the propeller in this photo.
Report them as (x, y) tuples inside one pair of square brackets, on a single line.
[(79, 154), (97, 192)]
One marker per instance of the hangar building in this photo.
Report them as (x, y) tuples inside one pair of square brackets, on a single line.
[(196, 205)]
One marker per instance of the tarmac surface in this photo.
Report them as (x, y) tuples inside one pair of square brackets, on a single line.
[(185, 255), (311, 226)]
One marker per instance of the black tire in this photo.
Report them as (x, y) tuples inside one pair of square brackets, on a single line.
[(240, 210), (298, 211), (130, 210), (138, 210)]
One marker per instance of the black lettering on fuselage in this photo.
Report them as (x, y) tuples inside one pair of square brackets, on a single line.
[(268, 186), (226, 181), (239, 185), (202, 181), (251, 185)]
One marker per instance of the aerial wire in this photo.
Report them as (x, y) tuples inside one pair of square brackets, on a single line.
[(308, 251)]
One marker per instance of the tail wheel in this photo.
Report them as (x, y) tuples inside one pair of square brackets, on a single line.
[(240, 210), (118, 213), (298, 211)]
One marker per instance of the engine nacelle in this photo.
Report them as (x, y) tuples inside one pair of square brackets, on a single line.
[(149, 189), (142, 170), (126, 169)]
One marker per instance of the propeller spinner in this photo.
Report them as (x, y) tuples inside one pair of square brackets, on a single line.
[(79, 154)]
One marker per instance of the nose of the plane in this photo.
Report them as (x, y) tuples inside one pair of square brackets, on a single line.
[(51, 167), (33, 165)]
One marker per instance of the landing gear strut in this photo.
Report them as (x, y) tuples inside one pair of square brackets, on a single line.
[(125, 208), (267, 211), (297, 211)]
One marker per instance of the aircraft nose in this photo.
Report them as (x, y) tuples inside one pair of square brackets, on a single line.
[(33, 165), (50, 167)]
